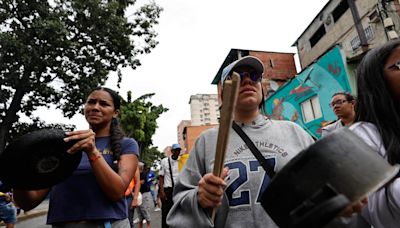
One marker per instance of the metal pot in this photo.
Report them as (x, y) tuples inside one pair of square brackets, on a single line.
[(38, 160), (323, 179)]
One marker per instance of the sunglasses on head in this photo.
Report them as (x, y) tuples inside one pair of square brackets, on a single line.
[(254, 76)]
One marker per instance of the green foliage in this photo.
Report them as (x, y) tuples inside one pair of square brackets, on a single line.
[(55, 52), (139, 121), (151, 156), (20, 128)]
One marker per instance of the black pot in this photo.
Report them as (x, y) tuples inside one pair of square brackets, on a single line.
[(38, 160), (323, 179)]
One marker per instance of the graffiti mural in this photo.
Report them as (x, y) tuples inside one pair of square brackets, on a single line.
[(305, 99)]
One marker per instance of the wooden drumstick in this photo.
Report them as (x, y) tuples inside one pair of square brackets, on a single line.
[(229, 96)]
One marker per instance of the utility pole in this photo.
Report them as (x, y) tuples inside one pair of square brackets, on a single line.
[(357, 23)]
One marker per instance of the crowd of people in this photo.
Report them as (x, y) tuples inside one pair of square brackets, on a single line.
[(111, 183)]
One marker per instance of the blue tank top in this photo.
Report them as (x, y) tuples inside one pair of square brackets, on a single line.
[(80, 197)]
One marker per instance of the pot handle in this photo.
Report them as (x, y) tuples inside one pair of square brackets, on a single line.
[(319, 209)]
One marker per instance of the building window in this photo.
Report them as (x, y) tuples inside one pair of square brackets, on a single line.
[(311, 109), (340, 10), (271, 63), (369, 34), (317, 35)]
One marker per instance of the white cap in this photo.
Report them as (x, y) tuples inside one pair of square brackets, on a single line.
[(250, 61)]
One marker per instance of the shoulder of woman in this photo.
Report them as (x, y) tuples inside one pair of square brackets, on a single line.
[(364, 129), (128, 140), (129, 145), (287, 125), (369, 133)]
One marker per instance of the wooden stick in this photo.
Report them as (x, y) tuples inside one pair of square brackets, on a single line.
[(229, 96)]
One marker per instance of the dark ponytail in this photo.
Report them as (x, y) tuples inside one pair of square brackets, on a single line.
[(116, 136)]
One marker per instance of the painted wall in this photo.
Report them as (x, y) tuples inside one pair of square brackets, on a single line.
[(322, 79)]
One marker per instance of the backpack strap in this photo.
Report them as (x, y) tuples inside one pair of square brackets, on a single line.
[(170, 171), (267, 167)]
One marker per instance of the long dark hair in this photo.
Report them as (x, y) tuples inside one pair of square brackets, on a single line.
[(116, 132), (376, 105), (374, 101)]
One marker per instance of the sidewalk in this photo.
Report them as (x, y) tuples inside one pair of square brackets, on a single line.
[(41, 209)]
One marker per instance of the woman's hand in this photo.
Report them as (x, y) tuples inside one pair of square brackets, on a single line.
[(86, 141), (211, 189), (134, 203), (354, 208)]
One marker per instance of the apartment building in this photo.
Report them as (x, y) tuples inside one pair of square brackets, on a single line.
[(204, 109)]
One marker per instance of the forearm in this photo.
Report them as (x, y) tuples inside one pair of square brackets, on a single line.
[(161, 183), (114, 184), (137, 184), (27, 200)]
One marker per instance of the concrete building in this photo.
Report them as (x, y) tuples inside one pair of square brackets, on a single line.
[(204, 109), (357, 26)]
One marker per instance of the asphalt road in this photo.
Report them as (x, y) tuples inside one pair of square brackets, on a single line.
[(34, 222), (40, 221)]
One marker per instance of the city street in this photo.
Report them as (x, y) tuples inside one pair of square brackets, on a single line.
[(40, 221)]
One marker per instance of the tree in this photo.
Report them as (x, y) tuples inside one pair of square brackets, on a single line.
[(20, 128), (151, 156), (139, 121), (55, 52)]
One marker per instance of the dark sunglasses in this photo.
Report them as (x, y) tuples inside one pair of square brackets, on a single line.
[(395, 66), (338, 102), (255, 77)]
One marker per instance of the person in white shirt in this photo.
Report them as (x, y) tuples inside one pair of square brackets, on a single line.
[(342, 104), (168, 176)]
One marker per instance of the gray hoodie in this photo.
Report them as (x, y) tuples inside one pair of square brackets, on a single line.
[(278, 141)]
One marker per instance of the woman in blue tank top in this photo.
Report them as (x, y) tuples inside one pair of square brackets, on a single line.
[(93, 196)]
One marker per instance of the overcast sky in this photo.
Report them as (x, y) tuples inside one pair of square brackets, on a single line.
[(194, 39)]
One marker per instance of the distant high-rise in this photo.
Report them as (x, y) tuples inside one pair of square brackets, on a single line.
[(204, 109)]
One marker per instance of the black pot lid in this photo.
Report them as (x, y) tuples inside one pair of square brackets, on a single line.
[(38, 160)]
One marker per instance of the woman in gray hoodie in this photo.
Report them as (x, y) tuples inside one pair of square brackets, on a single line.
[(237, 193)]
